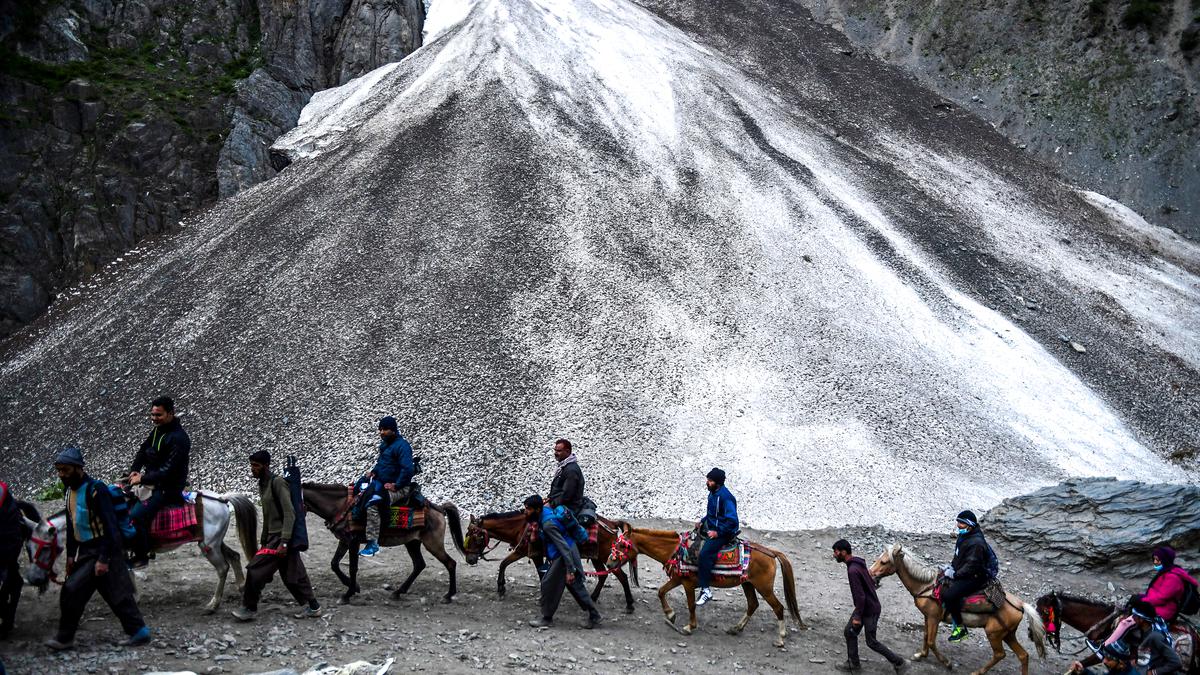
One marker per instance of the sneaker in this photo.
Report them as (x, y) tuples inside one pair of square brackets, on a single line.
[(847, 667), (141, 637), (138, 563), (901, 667), (958, 634), (243, 614), (308, 613), (59, 645), (705, 596), (592, 621), (541, 623), (370, 549)]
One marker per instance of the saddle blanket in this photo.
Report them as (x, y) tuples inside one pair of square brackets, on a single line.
[(586, 550), (984, 602), (174, 524), (405, 518), (732, 561)]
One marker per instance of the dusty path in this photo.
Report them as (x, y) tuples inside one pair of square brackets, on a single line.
[(480, 631)]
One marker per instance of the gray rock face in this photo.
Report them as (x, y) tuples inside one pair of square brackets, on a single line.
[(121, 116), (1104, 91), (1091, 523)]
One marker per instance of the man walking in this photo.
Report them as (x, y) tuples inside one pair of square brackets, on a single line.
[(13, 533), (95, 559), (561, 535), (720, 527), (866, 612), (162, 463), (279, 521)]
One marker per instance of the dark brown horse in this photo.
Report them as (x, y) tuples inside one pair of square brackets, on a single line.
[(1095, 620), (509, 528), (332, 503)]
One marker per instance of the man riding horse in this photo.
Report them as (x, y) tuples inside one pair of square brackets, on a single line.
[(162, 463), (720, 527), (968, 572), (394, 470), (566, 489)]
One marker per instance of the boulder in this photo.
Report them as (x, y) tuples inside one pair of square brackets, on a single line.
[(1098, 523)]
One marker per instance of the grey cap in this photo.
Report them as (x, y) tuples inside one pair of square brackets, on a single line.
[(69, 456)]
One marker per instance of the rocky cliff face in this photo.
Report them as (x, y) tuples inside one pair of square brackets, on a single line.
[(122, 116), (1104, 90)]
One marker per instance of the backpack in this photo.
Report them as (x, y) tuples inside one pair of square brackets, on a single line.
[(993, 563), (1189, 604), (291, 473), (120, 507)]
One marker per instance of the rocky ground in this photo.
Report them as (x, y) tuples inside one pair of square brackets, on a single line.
[(480, 631)]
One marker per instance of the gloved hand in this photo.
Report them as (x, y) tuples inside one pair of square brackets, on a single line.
[(949, 572)]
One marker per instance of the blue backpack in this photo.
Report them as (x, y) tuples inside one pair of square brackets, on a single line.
[(121, 508)]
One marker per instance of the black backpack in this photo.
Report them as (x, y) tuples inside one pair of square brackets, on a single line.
[(1190, 602), (291, 473), (993, 563)]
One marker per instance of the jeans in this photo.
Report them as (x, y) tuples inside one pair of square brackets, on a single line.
[(359, 512), (708, 557), (869, 624), (143, 514)]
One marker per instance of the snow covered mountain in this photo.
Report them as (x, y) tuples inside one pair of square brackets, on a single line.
[(681, 236)]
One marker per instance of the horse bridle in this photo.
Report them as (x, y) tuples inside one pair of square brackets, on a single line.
[(55, 550), (1054, 628), (484, 550)]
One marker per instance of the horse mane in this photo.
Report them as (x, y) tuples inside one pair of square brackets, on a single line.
[(914, 565), (29, 510), (503, 515), (655, 533), (1069, 597)]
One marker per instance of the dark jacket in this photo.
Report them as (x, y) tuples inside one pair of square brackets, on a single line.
[(567, 488), (279, 516), (1163, 659), (164, 457), (395, 464), (862, 589), (92, 523), (970, 557), (722, 513)]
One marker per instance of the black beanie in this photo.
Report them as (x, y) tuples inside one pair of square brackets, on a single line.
[(261, 457), (388, 422), (969, 518), (717, 476)]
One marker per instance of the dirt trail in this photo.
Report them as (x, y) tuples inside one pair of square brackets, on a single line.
[(480, 631)]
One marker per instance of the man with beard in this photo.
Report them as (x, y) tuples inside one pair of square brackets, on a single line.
[(161, 462), (720, 528), (279, 521), (95, 560)]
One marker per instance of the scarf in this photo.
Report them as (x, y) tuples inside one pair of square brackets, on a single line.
[(569, 460)]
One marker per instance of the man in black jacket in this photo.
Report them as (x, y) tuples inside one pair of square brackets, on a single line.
[(95, 560), (161, 462), (567, 487), (967, 572), (866, 612)]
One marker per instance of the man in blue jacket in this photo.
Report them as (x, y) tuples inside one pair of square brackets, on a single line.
[(393, 470), (720, 527)]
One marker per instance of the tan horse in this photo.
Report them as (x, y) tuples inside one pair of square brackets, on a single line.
[(661, 545), (1000, 626)]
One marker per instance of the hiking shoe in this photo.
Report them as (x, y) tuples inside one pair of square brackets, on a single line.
[(705, 596), (370, 549), (593, 621), (958, 634), (901, 667), (57, 645), (847, 667), (541, 623), (308, 613), (141, 637), (138, 563), (243, 614)]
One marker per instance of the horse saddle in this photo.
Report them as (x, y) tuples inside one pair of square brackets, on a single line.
[(177, 524), (732, 560), (986, 601)]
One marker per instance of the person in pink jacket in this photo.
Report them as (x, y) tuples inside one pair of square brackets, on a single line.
[(1167, 587)]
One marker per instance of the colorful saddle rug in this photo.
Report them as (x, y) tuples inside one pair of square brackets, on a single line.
[(587, 550), (986, 601), (404, 518), (176, 524), (732, 561)]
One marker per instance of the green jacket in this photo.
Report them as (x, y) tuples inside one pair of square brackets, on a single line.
[(279, 518)]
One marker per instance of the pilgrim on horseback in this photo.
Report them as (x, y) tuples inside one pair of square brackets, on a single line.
[(1117, 661), (162, 464), (1167, 593), (866, 612), (566, 488), (275, 554), (562, 535), (719, 528), (14, 531), (393, 472), (1153, 639), (969, 572), (95, 556)]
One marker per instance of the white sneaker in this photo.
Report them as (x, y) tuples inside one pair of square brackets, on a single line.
[(705, 596)]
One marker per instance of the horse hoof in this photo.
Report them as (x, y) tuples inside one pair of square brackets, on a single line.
[(779, 644), (209, 610), (686, 630), (629, 609), (733, 630), (671, 618), (448, 599)]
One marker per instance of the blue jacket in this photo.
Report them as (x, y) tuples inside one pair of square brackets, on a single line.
[(395, 463), (722, 513), (574, 535)]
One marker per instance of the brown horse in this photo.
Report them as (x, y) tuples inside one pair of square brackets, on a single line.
[(1000, 626), (332, 503), (661, 545), (1094, 619), (510, 528)]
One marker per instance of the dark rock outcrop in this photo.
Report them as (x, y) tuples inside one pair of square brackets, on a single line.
[(1104, 90), (1094, 523), (121, 116)]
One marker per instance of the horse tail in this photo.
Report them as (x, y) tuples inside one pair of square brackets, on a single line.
[(1037, 630), (789, 587), (247, 522), (454, 519)]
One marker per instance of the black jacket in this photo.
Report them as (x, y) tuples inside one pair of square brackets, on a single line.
[(970, 557), (164, 456), (567, 488)]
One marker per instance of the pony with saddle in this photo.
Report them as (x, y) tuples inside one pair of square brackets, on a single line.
[(1096, 620), (522, 537), (744, 563), (998, 612), (407, 525), (204, 517)]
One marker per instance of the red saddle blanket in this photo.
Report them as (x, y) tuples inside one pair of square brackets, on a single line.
[(174, 525), (405, 518), (984, 602)]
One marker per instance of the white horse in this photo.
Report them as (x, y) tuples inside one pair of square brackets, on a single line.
[(49, 541)]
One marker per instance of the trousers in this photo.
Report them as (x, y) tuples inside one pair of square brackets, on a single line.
[(11, 582), (958, 591), (555, 582), (262, 569), (143, 514), (708, 558), (115, 586), (869, 625)]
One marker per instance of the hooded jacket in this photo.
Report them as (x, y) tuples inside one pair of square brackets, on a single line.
[(163, 458), (395, 464), (970, 557), (722, 512), (1166, 591)]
